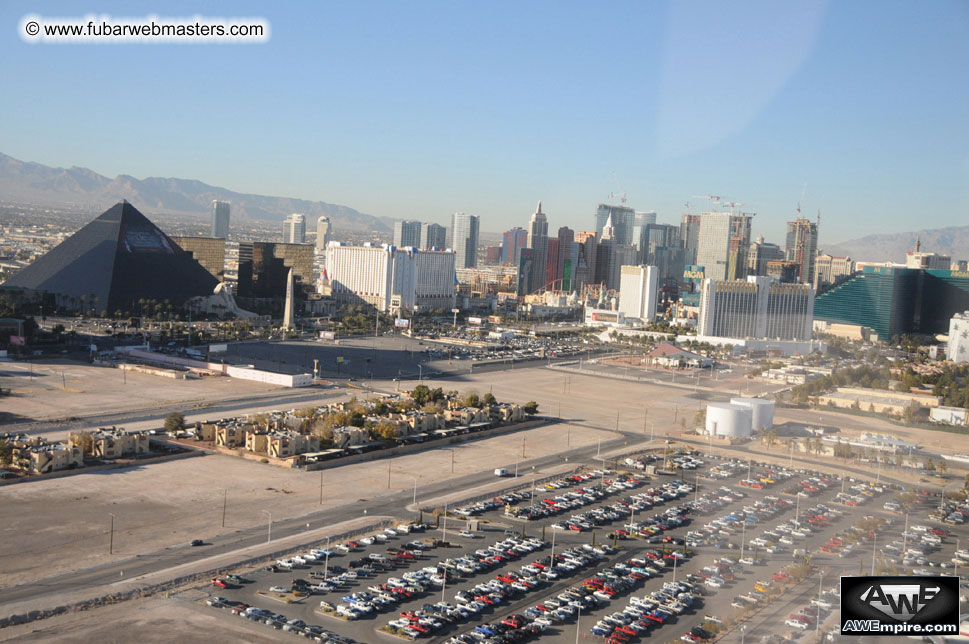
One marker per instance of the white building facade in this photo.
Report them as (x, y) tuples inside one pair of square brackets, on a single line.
[(638, 291), (756, 308), (391, 278), (957, 349)]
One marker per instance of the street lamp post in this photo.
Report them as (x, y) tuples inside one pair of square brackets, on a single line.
[(269, 537)]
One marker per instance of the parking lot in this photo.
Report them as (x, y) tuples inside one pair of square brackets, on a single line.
[(695, 539)]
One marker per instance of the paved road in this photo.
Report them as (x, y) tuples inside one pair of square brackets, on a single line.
[(389, 504)]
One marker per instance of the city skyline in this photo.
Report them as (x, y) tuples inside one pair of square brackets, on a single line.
[(707, 100)]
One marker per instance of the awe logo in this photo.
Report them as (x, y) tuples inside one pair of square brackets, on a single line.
[(901, 601)]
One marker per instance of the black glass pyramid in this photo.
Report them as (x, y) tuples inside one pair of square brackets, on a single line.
[(114, 261)]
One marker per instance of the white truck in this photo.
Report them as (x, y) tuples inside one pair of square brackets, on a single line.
[(501, 471)]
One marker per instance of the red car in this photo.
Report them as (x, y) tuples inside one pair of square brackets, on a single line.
[(219, 583)]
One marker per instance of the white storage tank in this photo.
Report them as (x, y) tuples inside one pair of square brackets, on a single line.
[(763, 411), (731, 421)]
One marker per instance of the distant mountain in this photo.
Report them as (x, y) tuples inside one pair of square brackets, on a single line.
[(35, 183), (953, 241)]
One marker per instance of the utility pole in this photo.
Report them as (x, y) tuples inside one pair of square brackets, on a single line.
[(111, 538), (225, 500), (321, 487), (388, 473)]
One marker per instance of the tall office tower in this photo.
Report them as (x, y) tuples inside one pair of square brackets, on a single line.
[(690, 237), (391, 278), (433, 236), (756, 308), (552, 272), (492, 255), (464, 239), (294, 229), (641, 220), (611, 257), (525, 258), (538, 242), (322, 233), (802, 247), (724, 240), (638, 291), (566, 265), (585, 272), (759, 254), (623, 221), (830, 270), (220, 219), (407, 233), (512, 243)]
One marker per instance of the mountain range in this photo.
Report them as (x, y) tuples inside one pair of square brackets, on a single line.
[(35, 183), (952, 241)]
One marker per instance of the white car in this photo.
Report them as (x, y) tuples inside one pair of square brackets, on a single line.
[(793, 623), (277, 589)]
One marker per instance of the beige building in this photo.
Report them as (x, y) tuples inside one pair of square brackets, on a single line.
[(349, 436), (829, 270), (231, 436), (877, 400), (117, 443), (286, 444), (466, 415), (40, 456), (257, 442), (507, 413)]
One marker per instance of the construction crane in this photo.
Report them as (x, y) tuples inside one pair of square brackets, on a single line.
[(711, 198), (621, 194)]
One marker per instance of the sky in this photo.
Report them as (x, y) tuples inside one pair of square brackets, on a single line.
[(420, 109)]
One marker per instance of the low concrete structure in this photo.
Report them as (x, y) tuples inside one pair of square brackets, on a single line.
[(877, 400), (949, 415)]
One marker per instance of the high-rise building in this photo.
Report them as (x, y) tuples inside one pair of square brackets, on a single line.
[(552, 272), (611, 256), (623, 222), (260, 269), (492, 255), (830, 270), (640, 238), (566, 264), (512, 243), (220, 219), (407, 233), (322, 233), (294, 229), (802, 247), (690, 237), (391, 278), (896, 301), (433, 236), (207, 251), (638, 291), (525, 259), (585, 271), (783, 271), (957, 348), (931, 261), (757, 307), (759, 254), (538, 242), (724, 240), (464, 239)]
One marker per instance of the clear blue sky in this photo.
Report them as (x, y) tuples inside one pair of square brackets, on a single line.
[(419, 109)]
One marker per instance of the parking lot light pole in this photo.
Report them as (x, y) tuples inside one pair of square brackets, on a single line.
[(817, 623), (578, 616), (111, 538), (743, 630), (269, 536)]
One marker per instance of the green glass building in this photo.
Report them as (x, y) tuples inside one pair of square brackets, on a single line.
[(896, 301)]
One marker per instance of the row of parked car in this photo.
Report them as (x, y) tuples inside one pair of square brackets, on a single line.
[(414, 624), (280, 622)]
